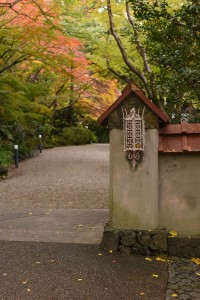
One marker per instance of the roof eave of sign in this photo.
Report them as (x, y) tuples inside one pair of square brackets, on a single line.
[(134, 88)]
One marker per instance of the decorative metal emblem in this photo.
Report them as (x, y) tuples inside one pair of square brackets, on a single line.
[(134, 131), (134, 87)]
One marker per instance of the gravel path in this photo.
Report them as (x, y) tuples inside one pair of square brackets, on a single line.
[(64, 177)]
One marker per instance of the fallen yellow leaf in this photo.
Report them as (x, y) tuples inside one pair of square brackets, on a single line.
[(173, 233), (159, 259), (24, 282), (196, 260), (100, 254), (28, 290), (155, 275), (174, 295), (30, 213), (110, 251), (80, 279), (198, 274), (142, 294), (80, 225), (148, 258)]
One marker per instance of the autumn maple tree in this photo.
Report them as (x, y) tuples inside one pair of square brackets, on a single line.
[(46, 78)]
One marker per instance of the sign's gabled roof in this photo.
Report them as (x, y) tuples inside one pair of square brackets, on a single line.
[(133, 87)]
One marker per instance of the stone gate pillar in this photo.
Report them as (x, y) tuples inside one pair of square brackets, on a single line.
[(134, 193), (133, 183)]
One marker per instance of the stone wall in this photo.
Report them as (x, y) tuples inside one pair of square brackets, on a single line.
[(150, 243), (140, 242), (183, 246)]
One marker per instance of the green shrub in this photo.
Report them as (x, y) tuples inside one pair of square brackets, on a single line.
[(24, 152), (101, 132), (77, 136), (26, 148), (57, 140), (6, 157)]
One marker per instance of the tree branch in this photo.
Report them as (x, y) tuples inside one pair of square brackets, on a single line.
[(142, 52), (121, 76), (17, 61), (9, 4), (141, 49), (139, 74)]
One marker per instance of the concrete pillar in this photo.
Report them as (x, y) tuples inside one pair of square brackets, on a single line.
[(133, 193)]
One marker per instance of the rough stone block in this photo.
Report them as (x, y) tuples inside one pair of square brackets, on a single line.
[(129, 239), (174, 251), (140, 250), (122, 233), (159, 242), (197, 251), (144, 238), (188, 252), (110, 240), (184, 241), (153, 246), (125, 232), (172, 241), (125, 250), (195, 242)]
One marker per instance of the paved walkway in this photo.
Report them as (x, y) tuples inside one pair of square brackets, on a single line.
[(53, 210), (81, 226), (184, 280), (44, 271)]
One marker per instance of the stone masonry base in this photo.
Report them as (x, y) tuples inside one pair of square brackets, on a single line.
[(149, 242)]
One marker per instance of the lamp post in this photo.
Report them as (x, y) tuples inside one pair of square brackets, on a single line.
[(16, 149), (40, 145)]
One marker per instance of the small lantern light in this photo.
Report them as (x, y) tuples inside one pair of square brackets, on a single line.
[(16, 156), (134, 131), (40, 145)]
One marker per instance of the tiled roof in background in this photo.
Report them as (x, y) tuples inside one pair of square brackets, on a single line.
[(178, 138)]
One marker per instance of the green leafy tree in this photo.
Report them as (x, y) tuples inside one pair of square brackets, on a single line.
[(165, 51), (173, 47)]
